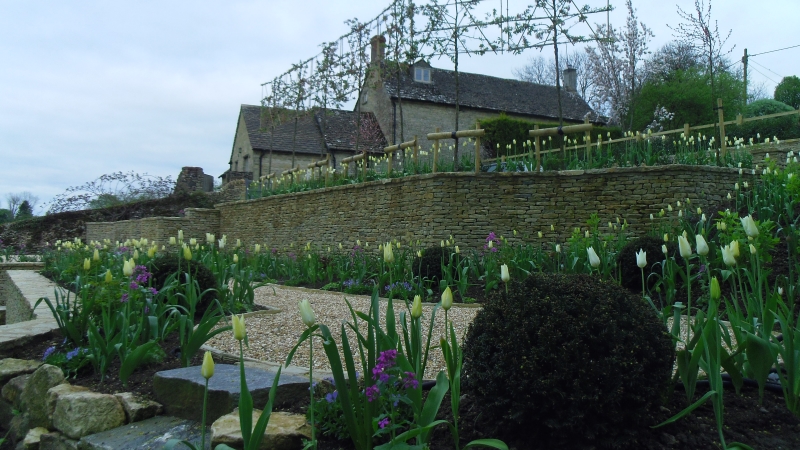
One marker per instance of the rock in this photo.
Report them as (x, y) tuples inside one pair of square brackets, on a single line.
[(54, 393), (181, 390), (285, 431), (18, 428), (34, 396), (82, 413), (151, 434), (668, 439), (12, 391), (6, 414), (137, 408), (12, 367), (57, 441), (32, 439)]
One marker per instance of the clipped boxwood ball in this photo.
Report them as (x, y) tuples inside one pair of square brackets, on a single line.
[(630, 274), (430, 265), (163, 266), (567, 361)]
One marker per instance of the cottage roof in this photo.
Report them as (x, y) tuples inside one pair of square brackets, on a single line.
[(308, 139), (340, 131), (490, 93)]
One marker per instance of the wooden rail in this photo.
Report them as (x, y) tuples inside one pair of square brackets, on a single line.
[(477, 133)]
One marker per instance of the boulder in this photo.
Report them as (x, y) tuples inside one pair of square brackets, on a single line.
[(18, 428), (181, 390), (54, 393), (34, 396), (32, 439), (150, 434), (57, 441), (82, 413), (12, 391), (137, 408), (12, 367), (285, 431)]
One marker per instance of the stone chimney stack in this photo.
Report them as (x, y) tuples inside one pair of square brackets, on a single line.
[(570, 79), (378, 44)]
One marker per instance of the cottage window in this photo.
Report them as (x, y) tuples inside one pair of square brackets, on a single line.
[(422, 75)]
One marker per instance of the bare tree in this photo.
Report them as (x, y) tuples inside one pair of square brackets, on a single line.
[(540, 70), (617, 66), (16, 199), (672, 56), (112, 189), (697, 31)]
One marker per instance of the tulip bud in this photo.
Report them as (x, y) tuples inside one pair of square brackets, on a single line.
[(306, 313), (669, 208), (780, 291), (641, 258), (236, 258), (735, 248), (187, 253), (727, 255), (594, 260), (491, 244), (96, 255), (87, 264), (457, 250), (702, 246), (239, 331), (447, 298), (192, 241), (558, 248), (750, 226), (180, 235), (419, 253), (207, 369), (136, 254), (257, 248), (651, 216), (416, 307), (388, 254), (666, 237), (221, 243), (685, 248), (664, 249), (504, 275), (172, 240), (715, 290), (108, 276), (552, 227), (586, 234), (539, 234), (753, 249), (127, 268)]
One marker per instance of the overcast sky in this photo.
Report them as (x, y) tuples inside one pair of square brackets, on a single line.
[(94, 87)]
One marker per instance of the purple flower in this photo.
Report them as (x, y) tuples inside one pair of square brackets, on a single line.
[(48, 352), (331, 397), (384, 422), (372, 393), (73, 353), (124, 298), (491, 237), (410, 381), (154, 291), (134, 285)]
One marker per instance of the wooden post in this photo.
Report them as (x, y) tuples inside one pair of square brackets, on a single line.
[(436, 151), (538, 145), (739, 119), (477, 150), (364, 165), (723, 146), (588, 143), (327, 169), (389, 159), (686, 130), (416, 155)]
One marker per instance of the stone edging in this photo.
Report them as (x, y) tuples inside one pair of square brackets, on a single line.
[(20, 288)]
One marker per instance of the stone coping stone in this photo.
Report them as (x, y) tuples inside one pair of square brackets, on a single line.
[(151, 433), (181, 390), (12, 368)]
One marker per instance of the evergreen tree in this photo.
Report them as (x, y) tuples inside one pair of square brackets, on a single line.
[(25, 211)]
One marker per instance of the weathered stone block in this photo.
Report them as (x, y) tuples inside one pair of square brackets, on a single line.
[(12, 367), (285, 431), (83, 413), (34, 396), (12, 391), (137, 408)]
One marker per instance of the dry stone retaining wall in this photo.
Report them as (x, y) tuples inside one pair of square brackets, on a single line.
[(195, 224), (468, 206)]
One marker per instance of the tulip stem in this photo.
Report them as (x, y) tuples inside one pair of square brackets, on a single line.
[(203, 426), (688, 302), (311, 389)]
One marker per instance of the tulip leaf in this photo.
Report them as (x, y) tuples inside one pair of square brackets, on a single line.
[(687, 410), (760, 359)]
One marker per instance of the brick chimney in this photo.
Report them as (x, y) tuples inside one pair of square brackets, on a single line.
[(378, 44)]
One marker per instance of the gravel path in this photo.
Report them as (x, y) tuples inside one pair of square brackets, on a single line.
[(272, 335)]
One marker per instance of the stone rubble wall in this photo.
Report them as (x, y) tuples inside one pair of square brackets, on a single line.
[(195, 224)]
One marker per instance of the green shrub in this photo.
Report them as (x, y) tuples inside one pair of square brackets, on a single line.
[(429, 266), (784, 127), (567, 361), (630, 274), (163, 266), (788, 91)]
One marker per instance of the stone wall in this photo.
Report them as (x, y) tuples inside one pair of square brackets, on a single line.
[(468, 206), (193, 179), (195, 224)]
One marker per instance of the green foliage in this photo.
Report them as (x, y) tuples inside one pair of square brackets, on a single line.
[(784, 127), (568, 360), (788, 91), (5, 215), (687, 94), (429, 266), (629, 273), (504, 131), (163, 266), (24, 212)]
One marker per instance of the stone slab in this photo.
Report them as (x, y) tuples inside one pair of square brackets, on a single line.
[(12, 367), (181, 390), (151, 433)]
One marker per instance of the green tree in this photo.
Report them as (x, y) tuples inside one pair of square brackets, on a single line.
[(686, 96), (24, 212), (6, 216), (788, 91), (783, 127)]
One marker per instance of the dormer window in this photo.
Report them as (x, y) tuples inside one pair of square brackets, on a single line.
[(422, 74)]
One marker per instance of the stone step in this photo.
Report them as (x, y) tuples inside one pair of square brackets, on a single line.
[(180, 391), (151, 433)]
